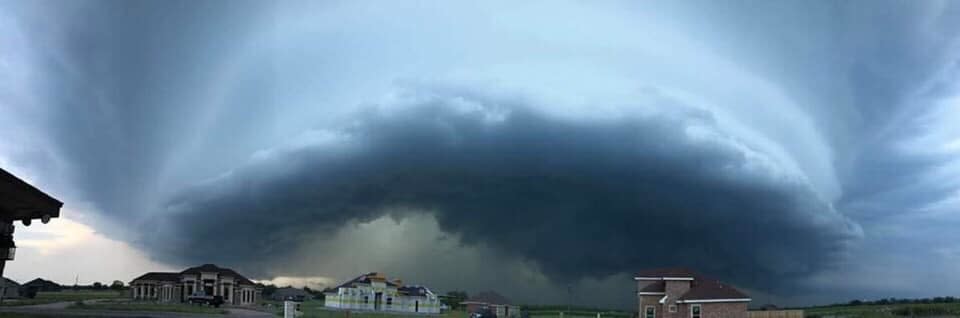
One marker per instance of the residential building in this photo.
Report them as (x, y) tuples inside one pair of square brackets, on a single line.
[(290, 293), (207, 279), (374, 292), (42, 285), (9, 289), (493, 301), (682, 293)]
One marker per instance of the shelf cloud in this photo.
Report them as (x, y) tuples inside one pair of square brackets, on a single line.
[(792, 148)]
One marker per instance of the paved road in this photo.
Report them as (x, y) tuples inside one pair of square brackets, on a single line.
[(60, 309)]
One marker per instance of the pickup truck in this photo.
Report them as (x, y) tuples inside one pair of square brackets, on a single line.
[(214, 301)]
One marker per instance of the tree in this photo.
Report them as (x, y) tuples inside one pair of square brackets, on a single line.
[(117, 285), (97, 285), (268, 289)]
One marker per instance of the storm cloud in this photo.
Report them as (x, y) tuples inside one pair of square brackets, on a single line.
[(791, 147), (581, 198)]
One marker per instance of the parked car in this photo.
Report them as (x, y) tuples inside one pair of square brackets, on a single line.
[(200, 299)]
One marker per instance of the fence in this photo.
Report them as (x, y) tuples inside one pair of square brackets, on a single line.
[(775, 313)]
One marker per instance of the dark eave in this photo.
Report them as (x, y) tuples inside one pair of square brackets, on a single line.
[(21, 201)]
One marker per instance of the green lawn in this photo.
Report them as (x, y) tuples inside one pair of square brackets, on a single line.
[(315, 309), (319, 313), (577, 314), (149, 307), (885, 311), (54, 297), (553, 311), (34, 315)]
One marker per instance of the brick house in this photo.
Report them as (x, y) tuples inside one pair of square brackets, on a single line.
[(493, 301), (681, 293), (207, 279)]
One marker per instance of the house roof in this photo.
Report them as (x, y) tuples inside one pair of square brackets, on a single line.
[(211, 268), (10, 282), (21, 201), (365, 279), (489, 298), (712, 289), (701, 288), (668, 272), (159, 276), (41, 282)]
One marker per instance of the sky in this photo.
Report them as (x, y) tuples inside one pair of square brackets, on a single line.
[(803, 151)]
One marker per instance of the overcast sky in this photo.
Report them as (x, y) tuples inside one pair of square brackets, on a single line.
[(804, 151)]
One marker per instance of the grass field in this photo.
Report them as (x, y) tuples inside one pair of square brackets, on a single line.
[(26, 315), (149, 307), (315, 309), (577, 314), (54, 297), (885, 311), (548, 311)]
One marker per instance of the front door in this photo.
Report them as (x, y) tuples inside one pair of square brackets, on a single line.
[(377, 300)]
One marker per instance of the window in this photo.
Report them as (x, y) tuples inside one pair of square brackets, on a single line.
[(366, 299), (650, 312), (695, 311), (389, 300), (673, 308)]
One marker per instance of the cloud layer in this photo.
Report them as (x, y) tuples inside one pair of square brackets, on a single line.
[(581, 198), (789, 147)]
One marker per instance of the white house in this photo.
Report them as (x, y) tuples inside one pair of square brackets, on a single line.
[(373, 292)]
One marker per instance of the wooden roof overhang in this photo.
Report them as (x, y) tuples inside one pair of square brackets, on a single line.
[(20, 201)]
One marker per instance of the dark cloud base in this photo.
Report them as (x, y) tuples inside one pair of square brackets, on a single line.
[(580, 198)]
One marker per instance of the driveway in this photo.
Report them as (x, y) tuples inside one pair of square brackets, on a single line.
[(60, 309)]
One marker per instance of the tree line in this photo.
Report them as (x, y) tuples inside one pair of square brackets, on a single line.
[(894, 301)]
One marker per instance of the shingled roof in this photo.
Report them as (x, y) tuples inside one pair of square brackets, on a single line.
[(712, 289), (489, 298), (667, 272), (364, 279), (41, 282), (701, 287), (159, 276), (211, 268)]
